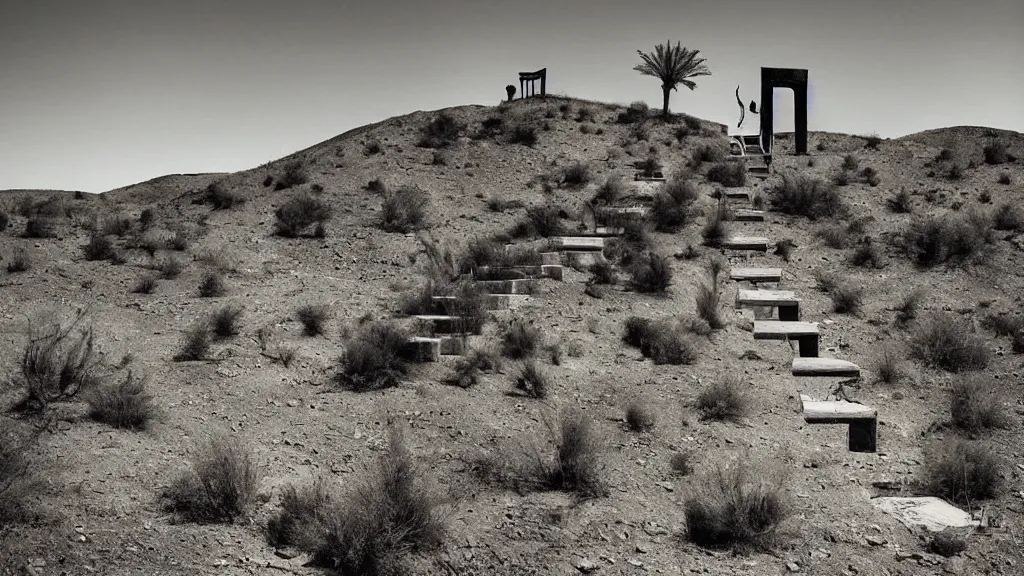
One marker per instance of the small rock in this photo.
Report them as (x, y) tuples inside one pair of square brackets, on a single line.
[(793, 567), (586, 565), (876, 541)]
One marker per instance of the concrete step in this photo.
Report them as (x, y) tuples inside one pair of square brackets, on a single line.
[(755, 243), (437, 324), (507, 286), (785, 300), (749, 216), (862, 420), (805, 333), (755, 275), (424, 349), (824, 367), (553, 271), (736, 193), (505, 301), (656, 177), (579, 243)]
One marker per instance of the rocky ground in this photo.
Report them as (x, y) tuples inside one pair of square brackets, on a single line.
[(98, 509)]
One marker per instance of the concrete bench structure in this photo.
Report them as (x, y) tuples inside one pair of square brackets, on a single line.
[(507, 286), (862, 420), (553, 271), (805, 333), (785, 300), (423, 349), (825, 367), (756, 275), (749, 216), (580, 243), (756, 243), (654, 177), (441, 324)]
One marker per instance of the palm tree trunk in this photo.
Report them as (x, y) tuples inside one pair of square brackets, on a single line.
[(664, 108)]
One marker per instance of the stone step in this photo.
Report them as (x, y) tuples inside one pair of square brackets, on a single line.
[(749, 216), (438, 324), (862, 420), (553, 271), (825, 367), (580, 243), (755, 275), (608, 231), (507, 286), (756, 243), (551, 258), (736, 194), (785, 300), (805, 333), (656, 177), (423, 349)]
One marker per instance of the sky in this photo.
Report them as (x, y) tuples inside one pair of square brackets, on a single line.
[(99, 94)]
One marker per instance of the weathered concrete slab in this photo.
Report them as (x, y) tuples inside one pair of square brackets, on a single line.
[(553, 271), (454, 345), (927, 511), (656, 177), (423, 349), (580, 243), (608, 231), (736, 193), (766, 298), (749, 216), (825, 367), (834, 411), (583, 259), (756, 275), (757, 243), (550, 258), (776, 330), (506, 286), (438, 324)]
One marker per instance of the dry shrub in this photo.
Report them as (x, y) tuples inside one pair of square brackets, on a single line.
[(441, 132), (888, 367), (706, 153), (532, 380), (962, 471), (302, 518), (469, 367), (520, 339), (900, 202), (731, 174), (933, 240), (18, 477), (543, 221), (639, 417), (724, 399), (803, 195), (709, 297), (576, 175), (404, 210), (377, 357), (680, 463), (739, 506), (220, 485), (225, 321), (314, 318), (59, 361), (867, 254), (146, 285), (908, 306), (126, 404), (293, 175), (661, 341), (212, 285), (99, 247), (941, 341), (295, 216), (609, 192), (846, 298), (715, 230), (390, 511), (996, 153), (652, 273), (221, 198), (39, 227), (20, 261), (975, 405), (1008, 217), (195, 343), (947, 544), (602, 272)]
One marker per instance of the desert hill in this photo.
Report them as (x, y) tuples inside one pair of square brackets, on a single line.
[(863, 225)]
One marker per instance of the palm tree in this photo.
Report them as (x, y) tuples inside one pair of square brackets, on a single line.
[(673, 65)]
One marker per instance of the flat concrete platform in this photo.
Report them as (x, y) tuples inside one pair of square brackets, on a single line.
[(749, 216), (736, 193), (776, 330), (824, 367), (580, 243), (755, 243), (834, 411), (506, 286), (770, 298), (756, 275), (932, 513)]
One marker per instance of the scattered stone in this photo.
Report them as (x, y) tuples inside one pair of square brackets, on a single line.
[(586, 565), (876, 541), (792, 567)]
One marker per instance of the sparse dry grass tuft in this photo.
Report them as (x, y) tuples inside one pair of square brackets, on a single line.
[(314, 318), (941, 341), (297, 215), (404, 210), (975, 405), (723, 399), (962, 471), (126, 404), (639, 416), (59, 362), (376, 357), (220, 485)]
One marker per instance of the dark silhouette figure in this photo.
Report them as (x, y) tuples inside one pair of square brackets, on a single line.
[(511, 91), (743, 111)]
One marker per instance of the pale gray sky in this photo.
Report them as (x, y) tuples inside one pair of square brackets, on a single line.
[(97, 94)]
